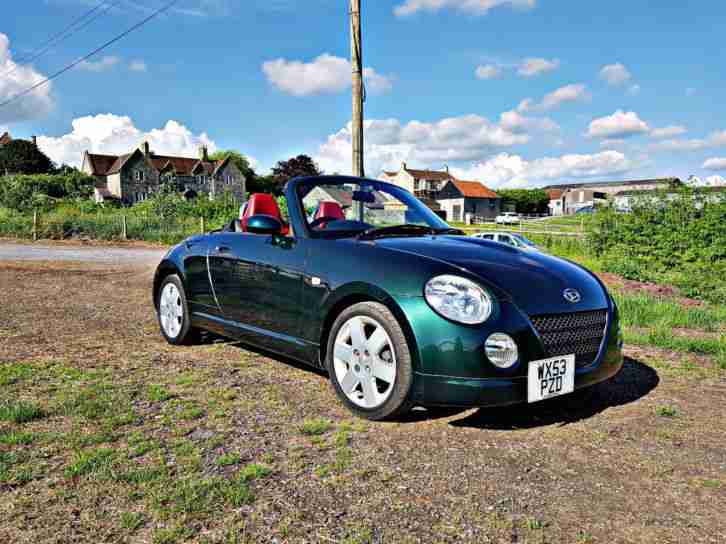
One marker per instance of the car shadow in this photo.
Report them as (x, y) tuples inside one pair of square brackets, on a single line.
[(632, 383)]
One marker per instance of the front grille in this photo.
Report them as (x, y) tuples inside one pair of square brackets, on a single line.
[(579, 333)]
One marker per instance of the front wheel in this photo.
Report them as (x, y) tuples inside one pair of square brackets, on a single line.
[(173, 313), (369, 362)]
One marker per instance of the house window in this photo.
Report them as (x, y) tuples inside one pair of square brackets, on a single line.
[(230, 180), (139, 175)]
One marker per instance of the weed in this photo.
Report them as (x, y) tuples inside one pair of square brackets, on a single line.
[(89, 462), (20, 412), (16, 438), (158, 393), (132, 520), (253, 471), (667, 411), (583, 537), (11, 373), (322, 471), (228, 459), (317, 426)]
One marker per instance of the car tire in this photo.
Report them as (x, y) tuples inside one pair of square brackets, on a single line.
[(383, 374), (172, 311)]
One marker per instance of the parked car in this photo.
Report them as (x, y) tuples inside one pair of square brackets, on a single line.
[(400, 309), (586, 209), (509, 238), (507, 218)]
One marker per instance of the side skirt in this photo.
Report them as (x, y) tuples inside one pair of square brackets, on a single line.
[(282, 344)]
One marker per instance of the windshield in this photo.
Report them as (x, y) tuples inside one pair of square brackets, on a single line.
[(524, 240), (351, 209)]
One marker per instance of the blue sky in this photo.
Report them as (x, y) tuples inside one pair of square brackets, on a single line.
[(510, 92)]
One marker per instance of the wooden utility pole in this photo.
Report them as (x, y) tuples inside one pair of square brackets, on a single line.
[(356, 47)]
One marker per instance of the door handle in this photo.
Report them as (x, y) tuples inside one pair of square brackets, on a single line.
[(221, 249)]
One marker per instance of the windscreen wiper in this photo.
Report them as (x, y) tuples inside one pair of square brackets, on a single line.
[(396, 230), (450, 230)]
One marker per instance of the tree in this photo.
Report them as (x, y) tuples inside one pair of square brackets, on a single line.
[(284, 171), (24, 157), (530, 201)]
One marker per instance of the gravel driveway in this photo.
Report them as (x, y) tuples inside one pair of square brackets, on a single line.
[(110, 255)]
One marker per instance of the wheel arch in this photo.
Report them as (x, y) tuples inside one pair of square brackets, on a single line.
[(352, 294), (166, 268)]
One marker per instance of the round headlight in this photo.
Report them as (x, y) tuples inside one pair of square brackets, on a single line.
[(501, 350), (459, 299)]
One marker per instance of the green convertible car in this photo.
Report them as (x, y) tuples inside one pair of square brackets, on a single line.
[(364, 281)]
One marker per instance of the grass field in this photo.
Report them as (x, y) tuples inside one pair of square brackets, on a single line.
[(107, 434)]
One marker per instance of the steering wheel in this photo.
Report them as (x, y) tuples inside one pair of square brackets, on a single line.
[(320, 220)]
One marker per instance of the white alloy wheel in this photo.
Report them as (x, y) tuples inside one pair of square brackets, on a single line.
[(364, 360), (171, 310)]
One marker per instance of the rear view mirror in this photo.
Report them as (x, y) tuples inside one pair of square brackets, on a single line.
[(364, 196), (263, 224)]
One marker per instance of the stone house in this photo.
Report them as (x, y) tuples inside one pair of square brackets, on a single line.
[(566, 199), (133, 177), (468, 199)]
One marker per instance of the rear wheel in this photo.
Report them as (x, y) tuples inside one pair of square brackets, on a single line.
[(369, 362), (173, 313)]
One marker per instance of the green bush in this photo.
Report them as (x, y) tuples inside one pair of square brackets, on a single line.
[(43, 191), (678, 239)]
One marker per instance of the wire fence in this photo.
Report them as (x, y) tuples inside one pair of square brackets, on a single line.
[(110, 227)]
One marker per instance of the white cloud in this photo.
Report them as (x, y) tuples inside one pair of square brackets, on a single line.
[(716, 163), (474, 7), (668, 132), (101, 65), (389, 142), (324, 75), (16, 78), (715, 139), (516, 122), (611, 143), (114, 134), (618, 125), (511, 171), (488, 71), (569, 93), (615, 75), (138, 66), (535, 66)]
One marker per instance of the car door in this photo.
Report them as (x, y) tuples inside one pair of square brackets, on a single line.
[(198, 285), (257, 280)]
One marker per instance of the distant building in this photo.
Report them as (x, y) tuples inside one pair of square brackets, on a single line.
[(461, 198), (5, 139), (135, 176), (566, 199), (445, 194)]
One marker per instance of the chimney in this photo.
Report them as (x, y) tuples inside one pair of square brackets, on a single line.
[(35, 140), (203, 153), (146, 149), (403, 165)]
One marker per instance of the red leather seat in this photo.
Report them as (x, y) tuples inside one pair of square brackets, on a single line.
[(262, 204), (329, 209)]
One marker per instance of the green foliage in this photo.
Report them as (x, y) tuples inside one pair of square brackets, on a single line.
[(20, 412), (315, 427), (43, 191), (24, 157), (679, 239), (527, 201)]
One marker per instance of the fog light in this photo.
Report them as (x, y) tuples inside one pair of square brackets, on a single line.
[(501, 350)]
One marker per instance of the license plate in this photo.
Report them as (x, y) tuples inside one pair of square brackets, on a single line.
[(551, 378)]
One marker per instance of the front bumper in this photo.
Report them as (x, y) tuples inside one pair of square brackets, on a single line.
[(452, 369), (436, 390)]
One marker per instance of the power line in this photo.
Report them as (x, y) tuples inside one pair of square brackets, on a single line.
[(89, 55), (84, 20)]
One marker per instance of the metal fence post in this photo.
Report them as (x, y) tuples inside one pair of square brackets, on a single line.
[(35, 225), (202, 225), (124, 229)]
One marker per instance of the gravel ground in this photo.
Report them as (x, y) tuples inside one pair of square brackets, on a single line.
[(138, 441)]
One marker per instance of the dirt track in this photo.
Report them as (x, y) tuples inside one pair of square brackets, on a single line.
[(641, 458)]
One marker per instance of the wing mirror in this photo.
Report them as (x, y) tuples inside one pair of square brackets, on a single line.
[(264, 224)]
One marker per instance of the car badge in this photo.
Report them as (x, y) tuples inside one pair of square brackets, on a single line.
[(572, 295)]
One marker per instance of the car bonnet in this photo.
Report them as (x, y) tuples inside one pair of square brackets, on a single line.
[(535, 282)]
